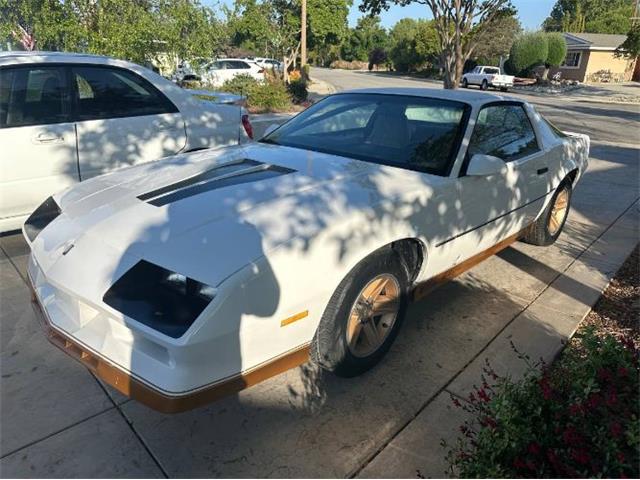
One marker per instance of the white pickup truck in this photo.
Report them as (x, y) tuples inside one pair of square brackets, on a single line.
[(486, 77)]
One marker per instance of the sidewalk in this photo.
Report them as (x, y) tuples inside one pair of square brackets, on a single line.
[(538, 330)]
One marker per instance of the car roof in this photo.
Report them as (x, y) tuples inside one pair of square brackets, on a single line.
[(471, 97), (15, 57)]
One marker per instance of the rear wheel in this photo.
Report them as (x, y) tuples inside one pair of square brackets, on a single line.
[(484, 85), (504, 89), (465, 84), (363, 316), (548, 227)]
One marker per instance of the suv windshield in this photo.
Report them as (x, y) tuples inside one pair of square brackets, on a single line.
[(415, 133)]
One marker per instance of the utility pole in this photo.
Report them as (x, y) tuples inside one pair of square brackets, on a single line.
[(303, 34)]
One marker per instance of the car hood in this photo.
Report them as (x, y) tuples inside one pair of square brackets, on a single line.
[(178, 214)]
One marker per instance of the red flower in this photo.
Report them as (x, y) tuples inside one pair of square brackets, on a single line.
[(621, 457), (570, 436), (534, 448), (604, 374), (518, 463), (483, 395), (575, 409), (615, 429), (547, 391), (581, 456), (612, 399), (622, 372), (594, 400)]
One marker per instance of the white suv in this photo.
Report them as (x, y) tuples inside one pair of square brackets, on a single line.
[(68, 117), (224, 69)]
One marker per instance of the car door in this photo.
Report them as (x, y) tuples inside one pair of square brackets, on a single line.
[(38, 139), (473, 77), (122, 120), (494, 207)]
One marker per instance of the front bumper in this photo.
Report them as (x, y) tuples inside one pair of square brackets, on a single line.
[(154, 398)]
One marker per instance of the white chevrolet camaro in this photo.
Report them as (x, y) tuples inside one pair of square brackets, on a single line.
[(183, 280)]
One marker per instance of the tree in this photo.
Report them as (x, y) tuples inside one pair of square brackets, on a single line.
[(495, 41), (377, 57), (593, 16), (529, 51), (630, 48), (538, 48), (367, 35), (458, 24), (557, 49), (413, 43), (134, 30), (327, 25)]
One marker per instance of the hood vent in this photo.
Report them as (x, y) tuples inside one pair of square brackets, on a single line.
[(226, 175)]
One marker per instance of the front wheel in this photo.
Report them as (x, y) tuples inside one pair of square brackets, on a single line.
[(547, 228), (504, 89), (363, 316)]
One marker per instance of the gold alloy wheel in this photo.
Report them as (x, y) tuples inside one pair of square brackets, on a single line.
[(558, 212), (373, 315)]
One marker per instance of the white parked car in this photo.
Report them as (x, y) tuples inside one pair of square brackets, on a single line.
[(486, 77), (65, 118), (270, 64), (181, 281), (223, 69)]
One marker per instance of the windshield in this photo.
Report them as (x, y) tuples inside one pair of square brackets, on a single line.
[(415, 133)]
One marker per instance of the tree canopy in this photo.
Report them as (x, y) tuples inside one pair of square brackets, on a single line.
[(361, 40), (459, 24), (592, 16)]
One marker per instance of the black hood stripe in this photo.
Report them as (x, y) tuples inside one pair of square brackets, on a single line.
[(215, 172), (229, 174)]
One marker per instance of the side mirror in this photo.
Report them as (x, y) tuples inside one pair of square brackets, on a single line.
[(485, 165), (270, 129)]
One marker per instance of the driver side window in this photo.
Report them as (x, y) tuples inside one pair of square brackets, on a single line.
[(503, 131)]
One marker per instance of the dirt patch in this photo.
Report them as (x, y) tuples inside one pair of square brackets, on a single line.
[(617, 312)]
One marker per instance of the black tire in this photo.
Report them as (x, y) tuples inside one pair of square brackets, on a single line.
[(484, 85), (330, 348), (504, 89), (465, 84), (539, 232)]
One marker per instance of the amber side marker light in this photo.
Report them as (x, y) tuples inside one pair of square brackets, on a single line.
[(294, 318)]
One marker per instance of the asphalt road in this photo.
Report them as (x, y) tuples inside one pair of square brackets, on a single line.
[(615, 123)]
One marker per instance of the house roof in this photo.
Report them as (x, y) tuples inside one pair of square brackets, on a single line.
[(593, 41)]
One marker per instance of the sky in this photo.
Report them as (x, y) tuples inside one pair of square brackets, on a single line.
[(531, 12)]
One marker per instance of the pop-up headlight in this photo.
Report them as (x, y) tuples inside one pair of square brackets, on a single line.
[(41, 217), (159, 298)]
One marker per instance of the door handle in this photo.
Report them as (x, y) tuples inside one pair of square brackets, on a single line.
[(48, 138), (166, 126), (542, 171)]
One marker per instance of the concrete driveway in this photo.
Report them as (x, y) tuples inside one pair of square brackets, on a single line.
[(57, 420)]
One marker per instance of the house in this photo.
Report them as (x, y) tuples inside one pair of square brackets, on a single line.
[(590, 59)]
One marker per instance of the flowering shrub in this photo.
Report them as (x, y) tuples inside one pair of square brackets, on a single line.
[(576, 418)]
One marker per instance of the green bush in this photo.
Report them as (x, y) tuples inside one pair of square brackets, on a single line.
[(269, 96), (240, 84), (577, 418), (298, 90), (557, 49), (529, 51)]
